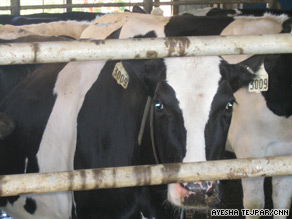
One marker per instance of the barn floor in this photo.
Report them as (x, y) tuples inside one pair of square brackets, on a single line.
[(232, 196)]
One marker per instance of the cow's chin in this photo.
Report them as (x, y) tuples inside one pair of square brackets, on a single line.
[(199, 197)]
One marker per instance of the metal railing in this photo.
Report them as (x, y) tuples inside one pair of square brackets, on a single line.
[(119, 177), (16, 6), (115, 49)]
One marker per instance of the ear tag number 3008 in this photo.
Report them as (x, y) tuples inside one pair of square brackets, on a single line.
[(260, 83), (120, 75)]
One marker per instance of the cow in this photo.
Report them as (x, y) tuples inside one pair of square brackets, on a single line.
[(261, 126), (261, 121), (82, 116)]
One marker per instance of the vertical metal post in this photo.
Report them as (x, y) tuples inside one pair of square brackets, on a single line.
[(274, 4), (69, 2), (175, 8), (148, 5), (15, 7)]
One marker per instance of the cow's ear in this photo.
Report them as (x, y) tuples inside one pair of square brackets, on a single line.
[(239, 75), (7, 125), (148, 72)]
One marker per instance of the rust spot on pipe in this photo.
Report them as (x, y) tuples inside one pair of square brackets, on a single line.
[(239, 50), (151, 54), (236, 173), (96, 42), (143, 175), (177, 44), (170, 172), (36, 48)]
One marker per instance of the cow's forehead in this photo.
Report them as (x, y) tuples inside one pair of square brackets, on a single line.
[(195, 81)]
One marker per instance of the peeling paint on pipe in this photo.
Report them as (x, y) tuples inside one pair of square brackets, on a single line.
[(119, 177), (147, 48)]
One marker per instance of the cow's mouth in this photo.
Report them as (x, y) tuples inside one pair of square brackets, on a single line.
[(196, 195)]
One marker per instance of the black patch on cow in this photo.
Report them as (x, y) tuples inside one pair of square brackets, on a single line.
[(137, 9), (279, 95), (220, 12), (189, 25), (287, 26), (7, 125), (238, 74), (169, 120), (115, 34), (216, 129), (279, 68), (30, 205)]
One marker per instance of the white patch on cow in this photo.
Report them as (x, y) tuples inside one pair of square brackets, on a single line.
[(249, 25), (257, 132), (195, 81), (58, 143), (66, 28)]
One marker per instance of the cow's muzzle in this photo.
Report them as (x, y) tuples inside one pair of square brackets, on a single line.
[(199, 195)]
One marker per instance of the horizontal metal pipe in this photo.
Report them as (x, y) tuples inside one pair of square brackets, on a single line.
[(147, 48), (143, 175), (193, 2)]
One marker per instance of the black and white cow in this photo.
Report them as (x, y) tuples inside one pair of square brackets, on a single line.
[(261, 126), (79, 117)]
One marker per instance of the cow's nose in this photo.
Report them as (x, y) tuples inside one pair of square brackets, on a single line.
[(202, 193)]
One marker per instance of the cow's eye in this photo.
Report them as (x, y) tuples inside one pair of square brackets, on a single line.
[(158, 105), (229, 106)]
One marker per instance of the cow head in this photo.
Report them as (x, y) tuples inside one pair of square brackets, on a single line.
[(192, 100)]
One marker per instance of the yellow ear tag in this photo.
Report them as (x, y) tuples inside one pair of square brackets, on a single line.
[(261, 82), (120, 75)]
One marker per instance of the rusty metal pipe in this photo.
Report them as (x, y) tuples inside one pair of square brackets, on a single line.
[(143, 175), (148, 48)]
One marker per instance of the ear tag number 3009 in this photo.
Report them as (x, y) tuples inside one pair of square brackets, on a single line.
[(120, 75), (260, 83)]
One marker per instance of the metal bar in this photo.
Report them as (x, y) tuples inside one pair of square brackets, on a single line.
[(68, 2), (119, 177), (148, 5), (156, 4), (15, 7), (148, 48)]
